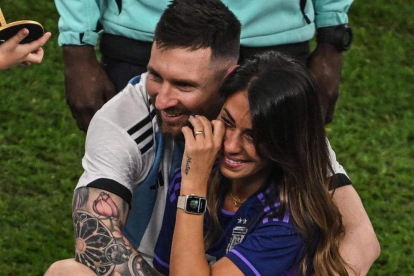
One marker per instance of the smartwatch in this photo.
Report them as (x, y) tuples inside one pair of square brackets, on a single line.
[(340, 36), (192, 204)]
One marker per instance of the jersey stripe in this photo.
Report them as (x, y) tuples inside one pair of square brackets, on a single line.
[(144, 140), (144, 136), (152, 113), (141, 124), (253, 269), (147, 147), (160, 261)]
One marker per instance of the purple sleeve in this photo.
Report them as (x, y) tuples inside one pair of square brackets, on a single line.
[(273, 249)]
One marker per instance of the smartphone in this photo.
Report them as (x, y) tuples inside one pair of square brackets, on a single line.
[(8, 30)]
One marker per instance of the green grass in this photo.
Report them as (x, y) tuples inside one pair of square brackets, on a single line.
[(372, 133)]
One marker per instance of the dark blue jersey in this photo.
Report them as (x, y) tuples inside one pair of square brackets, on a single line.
[(253, 238)]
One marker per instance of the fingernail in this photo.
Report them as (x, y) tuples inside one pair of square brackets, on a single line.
[(192, 117)]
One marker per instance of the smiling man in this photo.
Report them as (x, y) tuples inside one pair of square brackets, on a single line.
[(183, 83), (133, 147)]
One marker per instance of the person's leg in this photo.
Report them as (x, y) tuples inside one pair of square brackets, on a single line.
[(120, 72), (123, 58), (68, 267)]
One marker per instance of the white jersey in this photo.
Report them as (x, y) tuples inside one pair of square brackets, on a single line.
[(126, 154)]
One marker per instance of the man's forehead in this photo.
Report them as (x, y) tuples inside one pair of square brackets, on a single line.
[(200, 53), (182, 63)]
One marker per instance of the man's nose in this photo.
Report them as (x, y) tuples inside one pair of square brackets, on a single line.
[(166, 97)]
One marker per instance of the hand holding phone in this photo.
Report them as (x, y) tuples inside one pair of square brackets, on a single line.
[(21, 43), (9, 30)]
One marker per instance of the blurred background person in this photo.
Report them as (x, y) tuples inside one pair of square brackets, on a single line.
[(127, 29)]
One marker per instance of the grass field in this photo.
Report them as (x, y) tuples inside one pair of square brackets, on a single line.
[(373, 135)]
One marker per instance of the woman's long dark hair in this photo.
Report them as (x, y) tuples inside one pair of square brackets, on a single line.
[(288, 131)]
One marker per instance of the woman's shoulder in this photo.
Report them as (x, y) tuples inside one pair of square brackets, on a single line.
[(269, 211), (271, 236)]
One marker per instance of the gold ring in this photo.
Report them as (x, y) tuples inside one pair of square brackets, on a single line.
[(199, 132)]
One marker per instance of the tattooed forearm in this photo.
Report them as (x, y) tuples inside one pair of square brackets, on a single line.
[(187, 165), (92, 238), (140, 267), (100, 244)]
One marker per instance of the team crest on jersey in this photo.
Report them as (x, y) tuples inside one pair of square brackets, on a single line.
[(239, 232)]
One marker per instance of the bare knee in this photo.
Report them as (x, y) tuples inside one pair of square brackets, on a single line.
[(68, 267)]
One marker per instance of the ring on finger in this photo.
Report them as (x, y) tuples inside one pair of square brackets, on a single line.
[(199, 132)]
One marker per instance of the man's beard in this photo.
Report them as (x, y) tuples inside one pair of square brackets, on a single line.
[(171, 130)]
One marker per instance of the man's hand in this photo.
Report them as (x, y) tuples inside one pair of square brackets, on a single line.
[(13, 54), (359, 247), (86, 83), (325, 63)]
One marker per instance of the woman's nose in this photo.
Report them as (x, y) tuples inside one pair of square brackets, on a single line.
[(232, 142)]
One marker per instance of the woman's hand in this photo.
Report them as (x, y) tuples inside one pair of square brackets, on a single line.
[(201, 148)]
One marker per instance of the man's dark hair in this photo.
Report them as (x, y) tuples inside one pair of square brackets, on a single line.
[(197, 24)]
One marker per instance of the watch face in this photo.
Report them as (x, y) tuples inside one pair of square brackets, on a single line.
[(196, 204), (347, 39)]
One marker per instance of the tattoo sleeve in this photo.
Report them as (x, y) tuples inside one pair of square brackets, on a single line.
[(98, 217)]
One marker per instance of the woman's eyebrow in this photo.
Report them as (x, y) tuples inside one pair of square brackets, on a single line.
[(229, 115)]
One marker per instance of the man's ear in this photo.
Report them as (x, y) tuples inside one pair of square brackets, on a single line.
[(231, 69)]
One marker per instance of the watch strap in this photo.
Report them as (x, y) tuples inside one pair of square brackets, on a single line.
[(181, 202), (185, 202), (340, 36)]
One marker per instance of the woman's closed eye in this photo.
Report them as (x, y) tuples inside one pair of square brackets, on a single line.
[(249, 135), (226, 122)]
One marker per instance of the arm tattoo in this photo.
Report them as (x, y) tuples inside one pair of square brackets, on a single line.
[(187, 165), (80, 198), (100, 245), (140, 267)]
